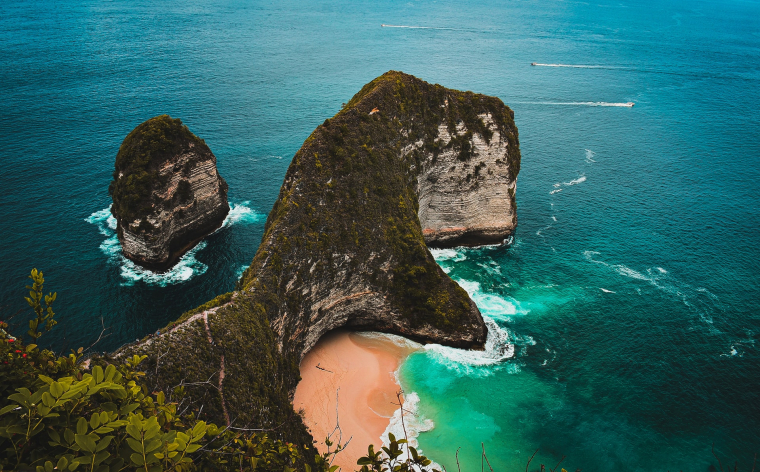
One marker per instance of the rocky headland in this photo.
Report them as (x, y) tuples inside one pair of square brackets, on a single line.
[(167, 193), (404, 164)]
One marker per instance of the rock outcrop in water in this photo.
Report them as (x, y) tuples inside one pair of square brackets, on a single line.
[(404, 163), (167, 193)]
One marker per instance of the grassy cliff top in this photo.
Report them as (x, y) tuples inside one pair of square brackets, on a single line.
[(140, 155)]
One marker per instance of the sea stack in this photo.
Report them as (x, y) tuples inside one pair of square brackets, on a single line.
[(167, 193)]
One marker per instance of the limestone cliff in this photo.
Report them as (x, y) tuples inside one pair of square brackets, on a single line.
[(344, 246), (167, 193)]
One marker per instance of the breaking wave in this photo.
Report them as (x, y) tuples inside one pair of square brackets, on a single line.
[(590, 156), (187, 267), (500, 343), (447, 255), (241, 213), (413, 424)]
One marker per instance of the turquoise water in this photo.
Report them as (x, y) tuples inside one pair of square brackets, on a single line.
[(624, 314)]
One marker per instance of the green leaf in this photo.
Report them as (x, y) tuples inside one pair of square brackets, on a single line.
[(103, 443), (192, 448), (56, 389), (82, 426), (20, 399), (48, 399), (54, 436), (199, 428), (127, 409), (97, 373), (62, 463), (135, 445), (152, 445), (110, 372), (7, 408), (45, 379), (85, 442), (94, 421), (134, 431), (137, 459)]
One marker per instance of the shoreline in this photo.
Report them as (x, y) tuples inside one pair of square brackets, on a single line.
[(350, 378)]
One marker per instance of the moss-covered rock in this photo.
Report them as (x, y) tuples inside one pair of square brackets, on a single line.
[(167, 193), (344, 246)]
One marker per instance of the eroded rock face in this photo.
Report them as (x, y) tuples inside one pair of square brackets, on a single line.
[(469, 202), (167, 193)]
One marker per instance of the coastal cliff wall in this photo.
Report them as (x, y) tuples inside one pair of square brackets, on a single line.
[(167, 192), (404, 163)]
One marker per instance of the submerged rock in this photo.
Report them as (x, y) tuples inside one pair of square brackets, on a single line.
[(167, 193), (403, 164)]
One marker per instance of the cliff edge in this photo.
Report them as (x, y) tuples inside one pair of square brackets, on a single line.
[(167, 193), (403, 164)]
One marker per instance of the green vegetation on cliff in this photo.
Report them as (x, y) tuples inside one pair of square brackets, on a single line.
[(138, 160), (350, 189)]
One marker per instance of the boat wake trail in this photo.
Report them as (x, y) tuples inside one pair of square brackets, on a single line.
[(583, 104), (426, 27), (577, 66)]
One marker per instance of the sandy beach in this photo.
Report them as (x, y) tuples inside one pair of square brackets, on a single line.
[(360, 370)]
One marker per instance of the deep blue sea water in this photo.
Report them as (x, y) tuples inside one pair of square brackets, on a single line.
[(624, 316)]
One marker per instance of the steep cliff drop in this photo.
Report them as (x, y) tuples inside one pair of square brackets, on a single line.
[(167, 194), (403, 163)]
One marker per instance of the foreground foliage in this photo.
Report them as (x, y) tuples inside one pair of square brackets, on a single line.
[(64, 415)]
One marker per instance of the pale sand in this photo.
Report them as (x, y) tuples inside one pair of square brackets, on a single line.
[(363, 369)]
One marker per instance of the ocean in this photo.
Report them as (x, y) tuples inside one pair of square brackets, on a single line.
[(623, 317)]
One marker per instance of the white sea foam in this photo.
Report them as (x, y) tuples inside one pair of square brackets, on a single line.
[(186, 268), (241, 213), (606, 291), (577, 181), (590, 156), (411, 426), (239, 272), (555, 191), (698, 300), (447, 254), (500, 344)]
